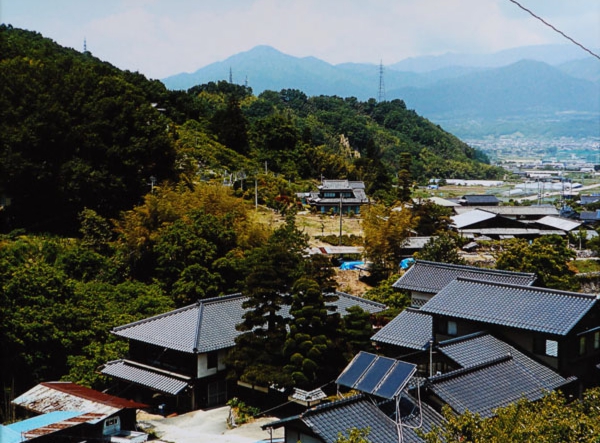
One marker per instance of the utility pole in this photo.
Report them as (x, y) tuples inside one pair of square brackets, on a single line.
[(341, 198)]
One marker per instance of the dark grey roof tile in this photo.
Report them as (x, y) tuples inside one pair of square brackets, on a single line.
[(522, 307), (210, 324), (410, 329), (483, 388), (431, 277), (480, 348), (330, 419)]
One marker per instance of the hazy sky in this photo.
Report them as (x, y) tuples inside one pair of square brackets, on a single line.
[(163, 37)]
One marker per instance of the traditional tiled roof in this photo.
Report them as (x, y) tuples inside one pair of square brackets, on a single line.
[(330, 419), (346, 301), (149, 377), (357, 188), (210, 324), (202, 327), (410, 329), (476, 349), (523, 307), (67, 396), (341, 185), (483, 388), (475, 199), (431, 277)]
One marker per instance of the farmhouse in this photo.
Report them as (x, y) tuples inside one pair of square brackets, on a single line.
[(177, 359)]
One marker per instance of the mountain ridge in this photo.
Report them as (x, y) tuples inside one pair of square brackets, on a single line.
[(529, 87)]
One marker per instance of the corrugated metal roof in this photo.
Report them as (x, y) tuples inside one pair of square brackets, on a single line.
[(410, 329), (211, 324), (66, 396), (45, 424), (438, 201), (523, 307), (162, 381), (416, 242), (511, 210), (342, 249), (512, 231), (430, 277), (564, 224), (471, 217)]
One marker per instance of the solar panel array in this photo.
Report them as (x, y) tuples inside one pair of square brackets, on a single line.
[(376, 375)]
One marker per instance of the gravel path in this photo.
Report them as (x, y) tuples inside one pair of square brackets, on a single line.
[(206, 427)]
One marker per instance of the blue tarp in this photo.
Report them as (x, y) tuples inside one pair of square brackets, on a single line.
[(348, 265), (406, 263)]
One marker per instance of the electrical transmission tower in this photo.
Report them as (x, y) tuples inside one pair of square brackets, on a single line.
[(381, 94)]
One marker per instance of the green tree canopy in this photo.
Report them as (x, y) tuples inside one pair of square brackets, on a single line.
[(549, 420), (385, 232), (442, 248), (546, 256), (309, 344)]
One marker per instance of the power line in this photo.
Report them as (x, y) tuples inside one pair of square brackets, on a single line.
[(555, 29)]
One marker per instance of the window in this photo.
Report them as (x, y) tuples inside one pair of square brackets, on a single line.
[(582, 343), (212, 359), (452, 328), (596, 340), (329, 195), (552, 348)]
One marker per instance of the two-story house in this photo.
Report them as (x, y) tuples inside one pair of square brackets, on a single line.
[(558, 328), (334, 195), (425, 278), (178, 358)]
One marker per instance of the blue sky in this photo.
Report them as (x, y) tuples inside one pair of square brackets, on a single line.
[(164, 37)]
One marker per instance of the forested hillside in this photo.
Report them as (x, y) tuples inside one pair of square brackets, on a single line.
[(113, 207), (78, 133)]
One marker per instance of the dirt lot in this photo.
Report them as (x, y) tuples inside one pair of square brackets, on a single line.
[(315, 226)]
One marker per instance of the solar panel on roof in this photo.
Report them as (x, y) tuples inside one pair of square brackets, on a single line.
[(374, 374), (381, 376), (355, 369), (396, 380)]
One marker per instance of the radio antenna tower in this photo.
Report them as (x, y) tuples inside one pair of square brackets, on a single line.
[(381, 95), (230, 75)]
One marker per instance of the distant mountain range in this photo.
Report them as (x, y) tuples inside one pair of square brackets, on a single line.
[(555, 84)]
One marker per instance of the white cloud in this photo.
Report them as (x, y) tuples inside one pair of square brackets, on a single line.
[(160, 37)]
